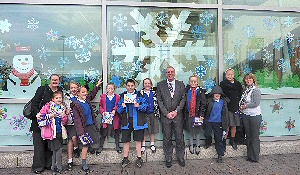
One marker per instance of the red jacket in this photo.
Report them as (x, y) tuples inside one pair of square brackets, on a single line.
[(116, 121)]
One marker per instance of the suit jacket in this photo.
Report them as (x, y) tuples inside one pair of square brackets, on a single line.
[(168, 104)]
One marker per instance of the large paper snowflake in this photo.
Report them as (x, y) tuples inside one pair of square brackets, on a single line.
[(249, 31), (201, 71), (289, 37), (162, 19), (63, 62), (116, 80), (276, 107), (209, 83), (206, 18), (91, 75), (210, 63), (5, 26), (120, 21), (83, 54), (198, 32), (18, 123), (44, 52), (277, 44), (72, 41), (52, 35), (90, 40), (263, 127), (290, 124), (32, 24), (229, 58), (270, 23), (288, 21), (283, 64)]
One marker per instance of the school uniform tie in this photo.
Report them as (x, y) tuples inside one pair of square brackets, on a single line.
[(193, 103), (171, 89)]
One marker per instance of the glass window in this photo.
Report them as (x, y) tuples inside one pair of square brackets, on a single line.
[(39, 40), (175, 1), (143, 42), (264, 43), (270, 3)]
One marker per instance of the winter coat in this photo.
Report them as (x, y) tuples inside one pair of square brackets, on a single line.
[(102, 104), (234, 92)]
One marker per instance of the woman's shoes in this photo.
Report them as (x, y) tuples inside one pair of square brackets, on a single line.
[(191, 148), (153, 149), (197, 150)]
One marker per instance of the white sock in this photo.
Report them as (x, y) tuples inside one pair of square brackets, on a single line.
[(70, 160), (152, 143), (144, 144), (75, 147)]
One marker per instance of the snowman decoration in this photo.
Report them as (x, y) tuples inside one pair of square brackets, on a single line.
[(24, 80)]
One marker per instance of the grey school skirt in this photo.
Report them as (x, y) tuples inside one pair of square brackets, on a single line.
[(234, 119)]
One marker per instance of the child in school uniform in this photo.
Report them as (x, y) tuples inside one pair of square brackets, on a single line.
[(152, 114), (110, 118), (85, 121), (69, 97), (216, 119), (194, 112), (51, 119)]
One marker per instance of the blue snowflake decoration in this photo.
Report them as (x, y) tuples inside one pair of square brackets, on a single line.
[(116, 80), (1, 46), (251, 56), (249, 31), (291, 52), (83, 54), (237, 44), (210, 63), (198, 32), (32, 24), (72, 41), (116, 42), (44, 52), (137, 66), (283, 64), (209, 83), (277, 44), (247, 69), (63, 62), (52, 35), (289, 37), (120, 22), (162, 19), (116, 65), (91, 75), (127, 75), (229, 58), (201, 71), (288, 21), (270, 23), (230, 19), (90, 40), (206, 18)]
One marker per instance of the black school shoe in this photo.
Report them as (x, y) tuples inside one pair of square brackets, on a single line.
[(76, 153), (70, 166)]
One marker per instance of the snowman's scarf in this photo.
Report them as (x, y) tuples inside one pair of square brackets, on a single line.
[(23, 76)]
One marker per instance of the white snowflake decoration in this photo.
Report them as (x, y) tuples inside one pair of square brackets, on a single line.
[(162, 19), (72, 41), (206, 18), (211, 63), (283, 64), (137, 66), (270, 23), (198, 32), (277, 44), (116, 42), (297, 63), (83, 54), (49, 72), (91, 75), (120, 21), (231, 19), (32, 24), (116, 65), (237, 44), (249, 31), (288, 21), (90, 39), (229, 58), (201, 71), (64, 62), (267, 56), (289, 37), (5, 26), (44, 52), (127, 75), (52, 35)]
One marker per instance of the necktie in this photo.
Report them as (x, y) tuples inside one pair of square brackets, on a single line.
[(170, 87), (193, 103)]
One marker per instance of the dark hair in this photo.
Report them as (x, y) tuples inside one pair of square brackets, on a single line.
[(130, 81), (56, 93), (54, 75)]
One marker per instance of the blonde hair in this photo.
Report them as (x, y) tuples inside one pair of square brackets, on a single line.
[(111, 83), (194, 75), (249, 76), (149, 80)]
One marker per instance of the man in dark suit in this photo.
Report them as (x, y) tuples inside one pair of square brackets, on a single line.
[(171, 100)]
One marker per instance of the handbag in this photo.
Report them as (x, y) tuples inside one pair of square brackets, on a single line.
[(27, 110)]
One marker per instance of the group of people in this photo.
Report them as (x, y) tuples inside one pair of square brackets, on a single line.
[(137, 113)]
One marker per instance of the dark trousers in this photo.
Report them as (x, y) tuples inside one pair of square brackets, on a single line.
[(42, 155), (168, 129), (252, 126), (218, 133), (104, 134)]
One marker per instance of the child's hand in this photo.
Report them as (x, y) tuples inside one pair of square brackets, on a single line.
[(136, 105), (39, 116), (202, 118), (124, 105), (53, 115), (99, 83), (113, 112), (67, 111)]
